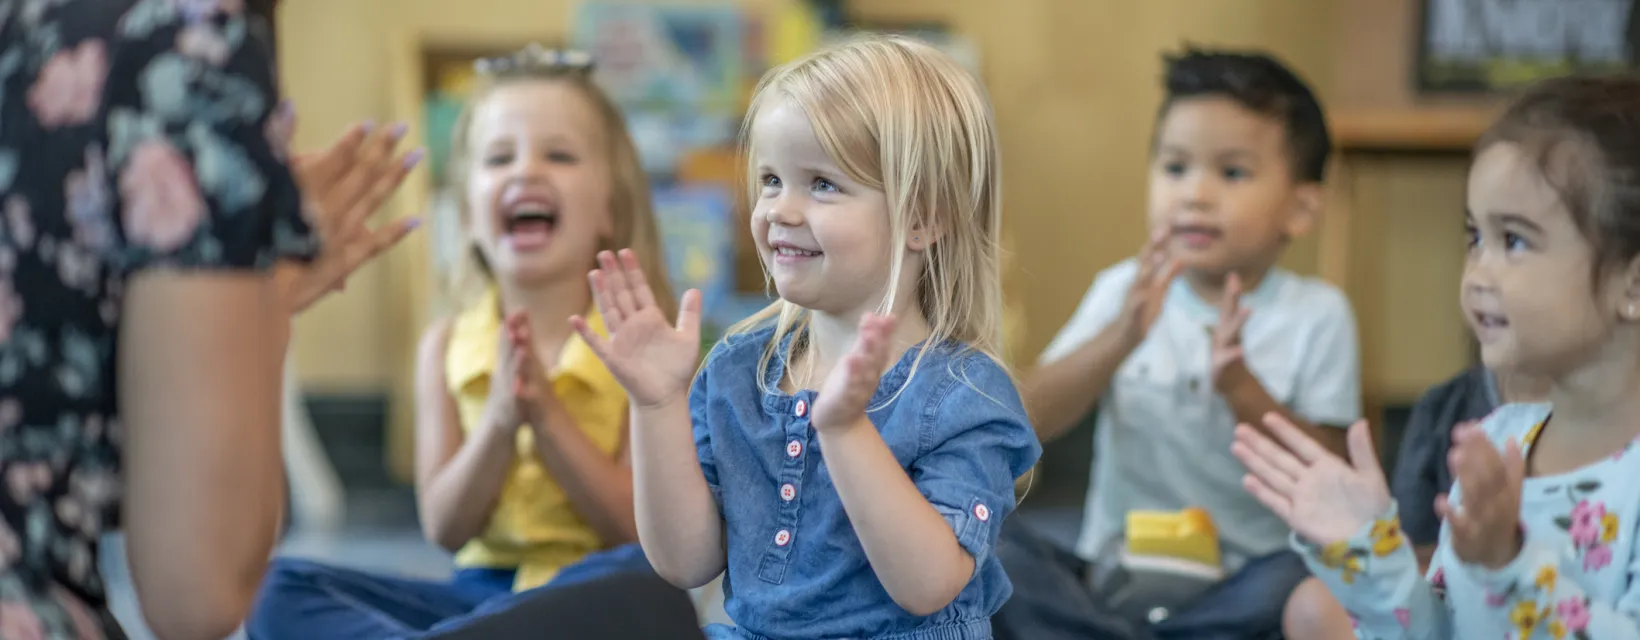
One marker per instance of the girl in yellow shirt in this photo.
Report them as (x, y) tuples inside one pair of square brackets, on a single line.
[(522, 463)]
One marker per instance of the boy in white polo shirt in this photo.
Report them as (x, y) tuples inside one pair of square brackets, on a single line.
[(1200, 332)]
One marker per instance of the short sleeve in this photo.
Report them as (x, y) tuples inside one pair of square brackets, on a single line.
[(700, 395), (1098, 307), (1329, 391), (195, 149), (979, 443)]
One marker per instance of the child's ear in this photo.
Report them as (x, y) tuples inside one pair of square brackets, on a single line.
[(1308, 200), (922, 236), (1628, 307)]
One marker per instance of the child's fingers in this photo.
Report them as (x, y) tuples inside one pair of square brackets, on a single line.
[(1231, 300), (605, 302), (1266, 469), (1277, 502), (598, 343), (641, 295), (620, 287), (1301, 446), (689, 313), (1270, 454), (1362, 454), (1514, 464)]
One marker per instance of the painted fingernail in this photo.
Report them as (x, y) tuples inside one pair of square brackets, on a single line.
[(414, 157), (368, 125), (412, 223), (399, 129)]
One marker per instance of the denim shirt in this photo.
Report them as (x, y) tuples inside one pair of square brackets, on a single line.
[(796, 568)]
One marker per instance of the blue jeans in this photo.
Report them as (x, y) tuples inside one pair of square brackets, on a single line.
[(306, 600), (1051, 600)]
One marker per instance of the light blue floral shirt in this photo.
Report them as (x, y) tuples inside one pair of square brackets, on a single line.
[(1574, 578)]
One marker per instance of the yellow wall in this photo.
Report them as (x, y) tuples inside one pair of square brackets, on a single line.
[(1075, 85)]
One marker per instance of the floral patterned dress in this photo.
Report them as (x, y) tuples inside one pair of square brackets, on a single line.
[(133, 134), (1575, 576)]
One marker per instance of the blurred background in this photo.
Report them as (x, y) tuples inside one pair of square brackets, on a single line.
[(1408, 85)]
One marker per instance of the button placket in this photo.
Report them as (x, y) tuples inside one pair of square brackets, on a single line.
[(788, 508)]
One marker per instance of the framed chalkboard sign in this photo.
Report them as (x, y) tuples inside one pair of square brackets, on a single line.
[(1486, 46)]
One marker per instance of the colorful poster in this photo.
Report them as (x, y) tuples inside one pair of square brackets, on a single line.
[(696, 226), (660, 56)]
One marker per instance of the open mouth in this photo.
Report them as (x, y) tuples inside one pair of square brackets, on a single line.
[(790, 254), (530, 224)]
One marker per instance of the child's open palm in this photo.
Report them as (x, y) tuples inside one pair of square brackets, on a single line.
[(652, 359), (853, 381), (1323, 498)]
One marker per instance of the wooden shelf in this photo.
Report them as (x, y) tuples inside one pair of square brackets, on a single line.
[(1413, 129)]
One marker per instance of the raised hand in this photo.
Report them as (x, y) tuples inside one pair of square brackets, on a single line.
[(1226, 352), (853, 381), (342, 187), (1323, 498), (653, 359), (1149, 289), (1485, 529)]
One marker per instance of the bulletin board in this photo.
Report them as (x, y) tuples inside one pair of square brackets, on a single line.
[(1488, 46)]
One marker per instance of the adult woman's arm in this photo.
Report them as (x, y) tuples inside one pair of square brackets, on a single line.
[(200, 370)]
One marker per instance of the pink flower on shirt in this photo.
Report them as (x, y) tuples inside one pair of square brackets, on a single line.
[(1404, 616), (1597, 557), (1574, 613), (1585, 527), (69, 87), (163, 206)]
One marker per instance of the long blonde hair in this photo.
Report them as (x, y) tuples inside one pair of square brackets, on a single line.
[(898, 115), (631, 207)]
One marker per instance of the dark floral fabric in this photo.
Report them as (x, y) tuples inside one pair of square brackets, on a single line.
[(133, 134)]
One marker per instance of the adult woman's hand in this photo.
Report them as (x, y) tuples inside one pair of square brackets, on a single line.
[(342, 186)]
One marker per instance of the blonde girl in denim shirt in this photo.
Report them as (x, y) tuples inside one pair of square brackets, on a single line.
[(868, 508)]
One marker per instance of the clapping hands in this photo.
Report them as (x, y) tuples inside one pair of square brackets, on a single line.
[(1485, 530), (1323, 498)]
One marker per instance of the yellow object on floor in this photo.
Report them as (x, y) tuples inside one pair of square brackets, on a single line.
[(1184, 535)]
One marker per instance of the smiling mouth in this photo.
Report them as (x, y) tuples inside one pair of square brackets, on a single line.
[(794, 252), (530, 225)]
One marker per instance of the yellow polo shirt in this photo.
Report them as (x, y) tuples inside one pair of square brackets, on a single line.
[(534, 528)]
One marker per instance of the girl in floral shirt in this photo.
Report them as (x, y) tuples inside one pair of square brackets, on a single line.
[(1538, 535)]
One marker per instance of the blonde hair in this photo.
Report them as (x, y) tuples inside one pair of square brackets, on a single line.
[(898, 115), (631, 208)]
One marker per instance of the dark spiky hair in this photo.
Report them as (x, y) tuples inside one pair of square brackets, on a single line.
[(1259, 83)]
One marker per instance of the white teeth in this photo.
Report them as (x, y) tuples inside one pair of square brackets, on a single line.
[(792, 251)]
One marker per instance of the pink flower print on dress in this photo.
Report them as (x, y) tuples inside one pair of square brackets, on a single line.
[(203, 41), (1597, 557), (11, 413), (1574, 613), (11, 306), (20, 221), (69, 88), (18, 622), (10, 548), (78, 268), (163, 206), (280, 129), (1585, 526), (27, 479)]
